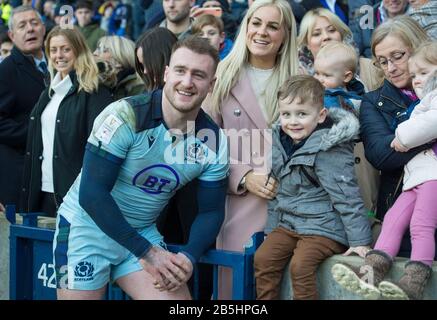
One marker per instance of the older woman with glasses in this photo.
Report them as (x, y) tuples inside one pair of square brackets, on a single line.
[(383, 109)]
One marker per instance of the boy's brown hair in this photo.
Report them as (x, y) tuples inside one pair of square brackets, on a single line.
[(304, 87), (207, 20)]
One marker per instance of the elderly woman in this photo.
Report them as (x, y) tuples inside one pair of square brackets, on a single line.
[(120, 73), (61, 121), (245, 99)]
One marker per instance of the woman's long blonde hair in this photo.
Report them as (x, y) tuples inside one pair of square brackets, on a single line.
[(229, 70), (85, 66)]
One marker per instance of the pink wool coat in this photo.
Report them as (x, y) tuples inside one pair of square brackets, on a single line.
[(246, 213)]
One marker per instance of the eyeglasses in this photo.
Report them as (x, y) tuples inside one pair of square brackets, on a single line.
[(396, 59)]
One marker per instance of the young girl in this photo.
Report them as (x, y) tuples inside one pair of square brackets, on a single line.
[(415, 207)]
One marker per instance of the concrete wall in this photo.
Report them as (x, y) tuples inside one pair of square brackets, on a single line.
[(4, 258), (330, 290)]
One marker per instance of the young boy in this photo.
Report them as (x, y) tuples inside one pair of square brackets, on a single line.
[(318, 209), (212, 28), (335, 66)]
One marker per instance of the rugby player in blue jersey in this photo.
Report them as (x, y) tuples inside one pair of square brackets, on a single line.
[(142, 149)]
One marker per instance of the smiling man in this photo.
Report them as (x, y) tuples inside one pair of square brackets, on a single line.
[(143, 149), (21, 83)]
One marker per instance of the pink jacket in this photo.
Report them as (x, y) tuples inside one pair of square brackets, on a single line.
[(421, 128), (245, 212)]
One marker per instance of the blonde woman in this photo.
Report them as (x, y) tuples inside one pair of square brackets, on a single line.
[(245, 99), (61, 121), (318, 27), (119, 53)]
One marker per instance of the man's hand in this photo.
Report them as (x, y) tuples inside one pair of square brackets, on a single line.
[(360, 250), (399, 147), (258, 185), (169, 270), (2, 208)]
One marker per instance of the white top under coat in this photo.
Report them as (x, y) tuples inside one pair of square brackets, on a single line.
[(48, 125)]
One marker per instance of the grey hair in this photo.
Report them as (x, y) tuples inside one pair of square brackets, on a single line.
[(431, 84), (19, 10)]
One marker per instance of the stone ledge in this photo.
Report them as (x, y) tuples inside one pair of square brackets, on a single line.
[(330, 290)]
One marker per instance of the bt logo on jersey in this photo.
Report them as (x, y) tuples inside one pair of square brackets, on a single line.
[(151, 180)]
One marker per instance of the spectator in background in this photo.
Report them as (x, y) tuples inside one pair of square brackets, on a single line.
[(5, 46), (339, 8), (21, 83), (61, 122), (49, 15), (152, 55), (211, 27), (425, 13), (177, 17), (90, 29), (119, 54), (230, 24), (319, 27), (5, 11), (382, 11)]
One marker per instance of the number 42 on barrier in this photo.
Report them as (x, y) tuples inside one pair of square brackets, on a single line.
[(43, 274)]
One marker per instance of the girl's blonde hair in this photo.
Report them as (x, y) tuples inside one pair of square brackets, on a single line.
[(229, 70), (122, 50), (84, 65), (427, 51), (404, 28), (309, 20)]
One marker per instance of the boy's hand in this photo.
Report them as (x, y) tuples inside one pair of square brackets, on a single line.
[(395, 144), (360, 250), (258, 185)]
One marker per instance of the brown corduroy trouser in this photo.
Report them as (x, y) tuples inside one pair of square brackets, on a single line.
[(306, 253)]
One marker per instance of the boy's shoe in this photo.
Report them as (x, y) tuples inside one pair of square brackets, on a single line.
[(410, 286), (358, 280)]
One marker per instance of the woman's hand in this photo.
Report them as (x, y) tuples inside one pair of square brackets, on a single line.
[(257, 184), (399, 147)]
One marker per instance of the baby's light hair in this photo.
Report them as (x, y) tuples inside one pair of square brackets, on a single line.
[(427, 51), (344, 54)]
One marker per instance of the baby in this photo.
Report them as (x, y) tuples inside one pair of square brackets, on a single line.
[(335, 66)]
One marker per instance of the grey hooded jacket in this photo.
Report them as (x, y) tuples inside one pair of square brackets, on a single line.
[(318, 192)]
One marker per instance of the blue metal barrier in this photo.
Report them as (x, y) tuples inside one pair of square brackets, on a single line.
[(32, 274)]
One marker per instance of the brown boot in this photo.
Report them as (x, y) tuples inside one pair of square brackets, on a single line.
[(361, 280), (410, 286)]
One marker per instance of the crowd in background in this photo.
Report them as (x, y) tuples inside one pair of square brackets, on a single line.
[(54, 82)]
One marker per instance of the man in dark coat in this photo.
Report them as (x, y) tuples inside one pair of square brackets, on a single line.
[(21, 83)]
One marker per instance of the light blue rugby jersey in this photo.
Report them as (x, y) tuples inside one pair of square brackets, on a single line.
[(155, 164)]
